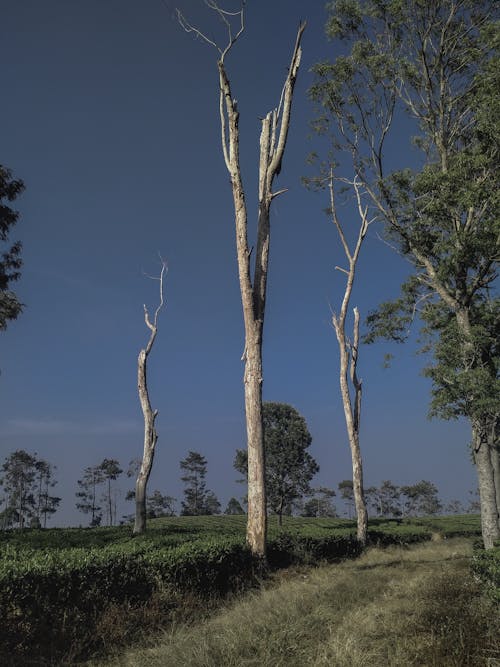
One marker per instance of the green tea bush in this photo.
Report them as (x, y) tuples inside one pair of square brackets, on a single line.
[(57, 585), (486, 567)]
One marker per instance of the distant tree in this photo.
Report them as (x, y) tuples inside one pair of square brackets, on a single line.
[(474, 506), (289, 467), (87, 501), (195, 492), (385, 499), (10, 260), (454, 507), (234, 507), (8, 516), (159, 505), (150, 434), (347, 494), (19, 485), (110, 469), (46, 505), (320, 504), (212, 504), (421, 499)]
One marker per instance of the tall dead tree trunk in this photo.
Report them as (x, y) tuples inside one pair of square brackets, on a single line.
[(253, 292), (349, 350), (150, 434)]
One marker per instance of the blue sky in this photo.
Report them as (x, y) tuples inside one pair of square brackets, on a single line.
[(110, 115)]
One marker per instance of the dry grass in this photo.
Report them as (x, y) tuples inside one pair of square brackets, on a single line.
[(392, 607)]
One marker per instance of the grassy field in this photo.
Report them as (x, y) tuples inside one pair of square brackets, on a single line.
[(395, 606)]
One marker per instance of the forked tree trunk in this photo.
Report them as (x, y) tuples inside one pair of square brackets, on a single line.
[(348, 351), (253, 293), (150, 434)]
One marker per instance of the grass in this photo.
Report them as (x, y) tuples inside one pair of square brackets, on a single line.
[(395, 607)]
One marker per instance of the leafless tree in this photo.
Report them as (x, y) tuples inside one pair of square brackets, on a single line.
[(349, 348), (273, 138), (150, 434)]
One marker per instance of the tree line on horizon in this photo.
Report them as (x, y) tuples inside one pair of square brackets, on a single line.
[(437, 64), (27, 481)]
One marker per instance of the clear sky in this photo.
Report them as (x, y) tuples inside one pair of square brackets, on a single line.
[(109, 114)]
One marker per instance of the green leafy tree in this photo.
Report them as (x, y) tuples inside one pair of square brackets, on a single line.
[(421, 499), (438, 62), (10, 260), (159, 505), (87, 499), (198, 500), (19, 485), (212, 504), (289, 467), (234, 507), (320, 504), (110, 470)]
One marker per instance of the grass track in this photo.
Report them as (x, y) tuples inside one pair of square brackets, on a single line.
[(394, 607)]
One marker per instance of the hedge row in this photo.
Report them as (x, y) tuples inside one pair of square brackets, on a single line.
[(49, 597), (486, 566)]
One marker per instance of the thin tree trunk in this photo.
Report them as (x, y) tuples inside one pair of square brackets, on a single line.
[(349, 356), (150, 434), (352, 425)]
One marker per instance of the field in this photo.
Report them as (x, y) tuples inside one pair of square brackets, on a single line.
[(69, 594)]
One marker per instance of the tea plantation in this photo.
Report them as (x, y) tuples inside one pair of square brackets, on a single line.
[(56, 584)]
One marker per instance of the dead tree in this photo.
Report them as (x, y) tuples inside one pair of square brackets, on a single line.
[(150, 434), (273, 138), (349, 350)]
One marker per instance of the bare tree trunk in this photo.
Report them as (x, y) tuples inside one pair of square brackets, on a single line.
[(150, 434), (253, 292), (349, 357)]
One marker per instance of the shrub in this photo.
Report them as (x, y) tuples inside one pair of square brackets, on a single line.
[(486, 567)]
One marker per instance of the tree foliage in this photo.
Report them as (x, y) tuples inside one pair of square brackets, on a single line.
[(234, 507), (438, 63), (10, 259), (198, 500), (87, 498), (289, 467), (26, 481)]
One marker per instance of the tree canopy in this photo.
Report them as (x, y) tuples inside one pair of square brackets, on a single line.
[(436, 62), (289, 467), (10, 259)]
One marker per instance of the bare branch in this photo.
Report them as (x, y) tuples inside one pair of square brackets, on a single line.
[(287, 95), (153, 326), (223, 14), (191, 28)]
